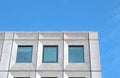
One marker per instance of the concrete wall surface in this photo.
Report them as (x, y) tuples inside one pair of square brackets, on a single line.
[(9, 42)]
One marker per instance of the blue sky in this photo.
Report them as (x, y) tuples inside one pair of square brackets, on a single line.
[(69, 15)]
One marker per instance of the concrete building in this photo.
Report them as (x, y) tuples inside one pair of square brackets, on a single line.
[(49, 55)]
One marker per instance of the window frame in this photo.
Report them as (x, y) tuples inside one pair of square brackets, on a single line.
[(56, 54), (24, 46), (76, 46)]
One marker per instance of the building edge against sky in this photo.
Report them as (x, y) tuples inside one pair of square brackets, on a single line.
[(69, 54)]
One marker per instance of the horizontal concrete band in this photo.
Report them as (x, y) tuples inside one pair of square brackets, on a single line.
[(49, 39), (50, 71)]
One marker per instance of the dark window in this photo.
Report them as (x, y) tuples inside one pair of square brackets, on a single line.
[(76, 54), (50, 54), (24, 54), (21, 77)]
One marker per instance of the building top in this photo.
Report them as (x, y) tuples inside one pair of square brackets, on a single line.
[(50, 35), (68, 54)]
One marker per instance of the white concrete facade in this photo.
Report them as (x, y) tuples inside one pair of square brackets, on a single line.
[(62, 69)]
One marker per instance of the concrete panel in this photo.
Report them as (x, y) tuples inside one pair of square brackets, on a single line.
[(93, 35), (3, 74), (4, 63), (77, 74), (23, 66), (51, 35), (8, 35), (1, 43), (2, 35), (49, 74), (21, 74), (1, 47), (96, 75), (75, 35), (50, 66), (76, 66), (95, 56), (26, 35)]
